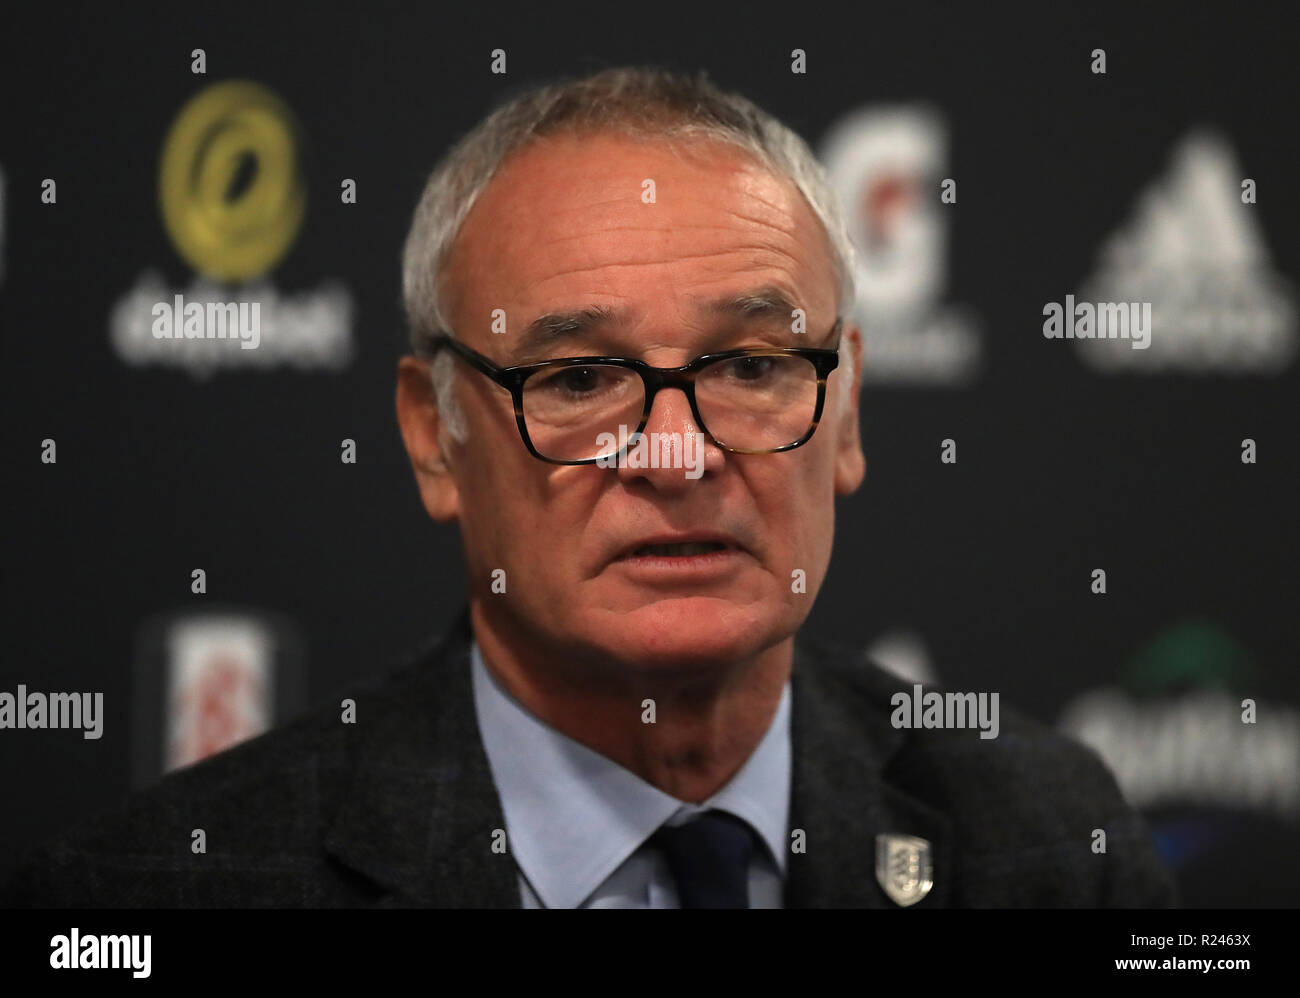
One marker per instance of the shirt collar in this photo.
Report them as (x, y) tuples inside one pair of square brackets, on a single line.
[(573, 816)]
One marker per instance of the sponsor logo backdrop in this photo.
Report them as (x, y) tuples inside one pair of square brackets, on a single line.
[(284, 175)]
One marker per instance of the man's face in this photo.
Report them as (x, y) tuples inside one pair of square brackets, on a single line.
[(564, 226)]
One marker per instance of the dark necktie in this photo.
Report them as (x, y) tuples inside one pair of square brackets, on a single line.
[(709, 859)]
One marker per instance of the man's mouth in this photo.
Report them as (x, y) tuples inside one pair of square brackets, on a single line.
[(704, 546), (688, 550)]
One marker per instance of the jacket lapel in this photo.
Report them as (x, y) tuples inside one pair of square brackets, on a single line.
[(421, 809), (841, 795)]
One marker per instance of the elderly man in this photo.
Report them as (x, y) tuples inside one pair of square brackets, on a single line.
[(626, 713)]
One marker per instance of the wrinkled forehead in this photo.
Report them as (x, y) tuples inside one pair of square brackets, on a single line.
[(578, 220)]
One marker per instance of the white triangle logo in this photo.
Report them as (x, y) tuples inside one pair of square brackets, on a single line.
[(1198, 255)]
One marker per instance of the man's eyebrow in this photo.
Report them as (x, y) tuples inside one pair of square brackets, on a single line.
[(766, 302), (554, 325), (762, 302)]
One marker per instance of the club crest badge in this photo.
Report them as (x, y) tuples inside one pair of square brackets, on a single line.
[(903, 868)]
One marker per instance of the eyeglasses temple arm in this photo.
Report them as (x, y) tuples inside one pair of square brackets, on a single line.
[(471, 356)]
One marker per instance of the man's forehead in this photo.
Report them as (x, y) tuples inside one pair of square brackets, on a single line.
[(573, 234)]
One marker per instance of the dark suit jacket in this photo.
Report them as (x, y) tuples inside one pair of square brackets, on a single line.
[(398, 809)]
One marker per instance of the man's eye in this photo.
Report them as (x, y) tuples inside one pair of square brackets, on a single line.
[(580, 379), (573, 381), (750, 368)]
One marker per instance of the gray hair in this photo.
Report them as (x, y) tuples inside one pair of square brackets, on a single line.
[(634, 101)]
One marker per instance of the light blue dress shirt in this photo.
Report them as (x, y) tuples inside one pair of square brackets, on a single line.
[(577, 822)]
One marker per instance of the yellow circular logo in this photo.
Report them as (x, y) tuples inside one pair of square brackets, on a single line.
[(232, 196)]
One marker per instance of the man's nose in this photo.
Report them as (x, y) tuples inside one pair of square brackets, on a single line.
[(674, 450)]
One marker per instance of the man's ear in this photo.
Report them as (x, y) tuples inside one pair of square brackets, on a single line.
[(850, 462), (421, 425)]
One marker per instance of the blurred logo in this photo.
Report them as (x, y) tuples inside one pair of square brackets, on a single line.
[(219, 686), (204, 682), (232, 201), (231, 194), (1174, 736), (1197, 253), (905, 654), (886, 165)]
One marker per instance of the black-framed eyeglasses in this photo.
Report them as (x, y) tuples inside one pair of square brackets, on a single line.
[(580, 410)]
